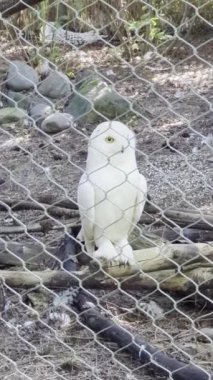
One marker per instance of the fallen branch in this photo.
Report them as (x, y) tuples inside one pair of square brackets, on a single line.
[(183, 235), (188, 218), (183, 283), (173, 270), (29, 205), (167, 256), (160, 362), (43, 226)]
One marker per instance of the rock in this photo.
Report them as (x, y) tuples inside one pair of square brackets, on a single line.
[(57, 122), (20, 99), (40, 111), (103, 97), (43, 68), (152, 309), (55, 86), (21, 76), (25, 99), (10, 114)]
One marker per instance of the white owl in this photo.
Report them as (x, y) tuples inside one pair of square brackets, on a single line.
[(111, 193)]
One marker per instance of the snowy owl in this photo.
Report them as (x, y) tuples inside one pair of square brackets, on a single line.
[(111, 193)]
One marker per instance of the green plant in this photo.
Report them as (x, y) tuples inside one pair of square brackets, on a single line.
[(148, 27)]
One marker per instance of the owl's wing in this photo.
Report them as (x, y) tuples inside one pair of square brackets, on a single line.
[(86, 202), (140, 199)]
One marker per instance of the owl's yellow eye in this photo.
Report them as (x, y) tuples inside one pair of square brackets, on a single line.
[(109, 139)]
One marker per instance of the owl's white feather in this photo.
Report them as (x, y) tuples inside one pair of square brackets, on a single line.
[(111, 193)]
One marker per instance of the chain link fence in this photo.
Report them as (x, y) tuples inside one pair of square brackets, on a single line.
[(66, 67)]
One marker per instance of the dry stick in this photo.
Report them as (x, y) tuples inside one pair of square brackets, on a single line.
[(185, 218), (38, 227), (29, 205), (46, 199), (160, 362)]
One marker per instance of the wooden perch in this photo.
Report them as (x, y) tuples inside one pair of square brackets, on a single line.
[(173, 268), (160, 362)]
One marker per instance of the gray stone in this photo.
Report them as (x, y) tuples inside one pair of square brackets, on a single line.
[(25, 99), (21, 76), (40, 111), (10, 114), (19, 99), (57, 122), (100, 96), (55, 86)]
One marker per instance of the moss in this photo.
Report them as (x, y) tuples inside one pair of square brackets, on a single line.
[(87, 86)]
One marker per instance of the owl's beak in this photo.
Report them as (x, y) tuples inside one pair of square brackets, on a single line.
[(122, 149)]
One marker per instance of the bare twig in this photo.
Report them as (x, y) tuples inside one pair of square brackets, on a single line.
[(29, 205), (42, 226)]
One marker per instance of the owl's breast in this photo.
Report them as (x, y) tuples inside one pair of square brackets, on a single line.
[(115, 197)]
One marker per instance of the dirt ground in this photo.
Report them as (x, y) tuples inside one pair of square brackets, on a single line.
[(175, 156)]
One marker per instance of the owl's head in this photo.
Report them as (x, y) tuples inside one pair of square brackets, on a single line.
[(113, 139)]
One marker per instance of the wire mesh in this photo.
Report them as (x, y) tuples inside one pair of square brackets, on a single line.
[(65, 67)]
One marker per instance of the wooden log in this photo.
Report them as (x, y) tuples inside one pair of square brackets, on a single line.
[(166, 256), (145, 353), (169, 256), (184, 234), (199, 220), (51, 199), (187, 282), (29, 205), (42, 226)]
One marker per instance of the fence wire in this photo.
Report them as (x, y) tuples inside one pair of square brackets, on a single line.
[(66, 67)]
